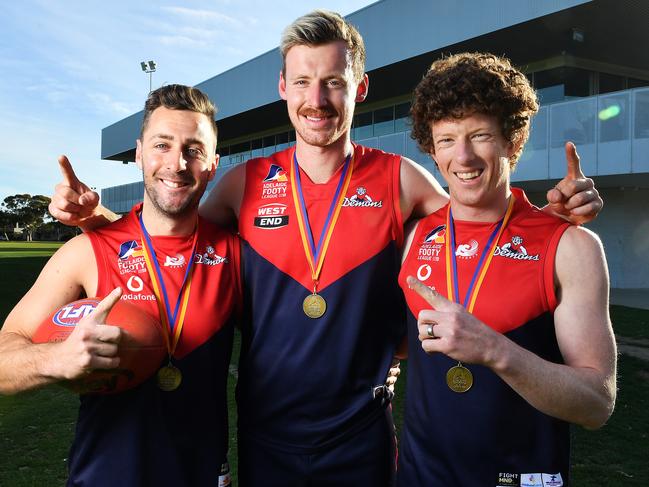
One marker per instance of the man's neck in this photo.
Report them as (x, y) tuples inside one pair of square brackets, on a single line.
[(490, 211), (321, 163), (157, 224)]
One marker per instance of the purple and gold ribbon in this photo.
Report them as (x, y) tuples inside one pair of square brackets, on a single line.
[(452, 281), (315, 255), (172, 322)]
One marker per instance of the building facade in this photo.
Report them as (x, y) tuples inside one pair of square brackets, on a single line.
[(592, 79)]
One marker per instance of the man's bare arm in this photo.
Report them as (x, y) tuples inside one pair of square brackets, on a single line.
[(25, 365), (582, 390)]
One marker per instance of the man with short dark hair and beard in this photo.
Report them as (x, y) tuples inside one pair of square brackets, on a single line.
[(509, 334), (162, 432)]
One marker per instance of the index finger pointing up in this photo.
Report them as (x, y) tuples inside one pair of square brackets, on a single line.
[(572, 160), (69, 177), (436, 300)]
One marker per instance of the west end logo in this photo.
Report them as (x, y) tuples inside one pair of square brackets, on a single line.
[(271, 216), (515, 250), (362, 199), (275, 184)]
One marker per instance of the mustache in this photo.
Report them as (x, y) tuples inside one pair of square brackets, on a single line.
[(317, 113)]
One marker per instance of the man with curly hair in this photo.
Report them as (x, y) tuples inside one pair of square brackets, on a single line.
[(509, 334)]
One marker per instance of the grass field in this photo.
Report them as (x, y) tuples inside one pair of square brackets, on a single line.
[(36, 428)]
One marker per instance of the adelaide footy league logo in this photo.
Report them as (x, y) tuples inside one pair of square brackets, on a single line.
[(275, 184), (432, 244), (130, 257)]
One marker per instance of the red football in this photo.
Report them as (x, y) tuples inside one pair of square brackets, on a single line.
[(141, 348)]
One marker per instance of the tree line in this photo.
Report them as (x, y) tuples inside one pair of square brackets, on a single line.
[(25, 217)]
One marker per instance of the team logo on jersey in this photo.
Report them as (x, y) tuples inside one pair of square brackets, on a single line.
[(436, 235), (431, 247), (271, 216), (467, 250), (209, 257), (362, 199), (276, 173), (514, 249), (176, 261), (71, 314), (275, 184), (130, 257)]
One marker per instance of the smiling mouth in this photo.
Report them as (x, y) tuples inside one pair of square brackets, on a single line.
[(173, 184), (468, 175)]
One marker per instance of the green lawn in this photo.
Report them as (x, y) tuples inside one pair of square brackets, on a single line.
[(36, 427)]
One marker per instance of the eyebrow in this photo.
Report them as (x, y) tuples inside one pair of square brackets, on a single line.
[(171, 137)]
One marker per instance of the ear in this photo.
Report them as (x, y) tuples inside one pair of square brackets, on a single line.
[(281, 86), (214, 165), (362, 89), (513, 147), (138, 153)]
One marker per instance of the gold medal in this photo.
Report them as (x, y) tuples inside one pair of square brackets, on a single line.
[(169, 378), (459, 378), (314, 305)]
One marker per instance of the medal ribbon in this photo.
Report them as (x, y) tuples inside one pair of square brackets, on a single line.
[(172, 324), (452, 281), (315, 255)]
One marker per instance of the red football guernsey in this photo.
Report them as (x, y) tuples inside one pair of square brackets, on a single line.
[(146, 436), (305, 383)]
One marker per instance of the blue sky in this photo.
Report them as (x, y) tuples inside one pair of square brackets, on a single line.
[(70, 68)]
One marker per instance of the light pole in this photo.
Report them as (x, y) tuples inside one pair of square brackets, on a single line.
[(149, 67)]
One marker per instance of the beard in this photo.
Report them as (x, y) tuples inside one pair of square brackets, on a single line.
[(174, 206)]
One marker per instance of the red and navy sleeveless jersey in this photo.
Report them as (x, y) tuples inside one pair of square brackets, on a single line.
[(305, 383), (489, 435), (145, 436)]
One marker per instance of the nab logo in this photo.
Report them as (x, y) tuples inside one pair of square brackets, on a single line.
[(129, 249), (71, 314), (276, 173), (271, 216)]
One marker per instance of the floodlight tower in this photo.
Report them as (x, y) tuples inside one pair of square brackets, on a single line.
[(149, 68)]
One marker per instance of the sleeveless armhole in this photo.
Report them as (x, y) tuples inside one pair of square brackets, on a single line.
[(100, 261), (397, 217), (547, 276), (415, 236), (237, 271)]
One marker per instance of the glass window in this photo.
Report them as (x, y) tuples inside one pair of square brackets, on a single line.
[(269, 141), (636, 83), (402, 117), (281, 138), (610, 82), (642, 115), (575, 121), (363, 126), (256, 144), (613, 117), (576, 82), (384, 121)]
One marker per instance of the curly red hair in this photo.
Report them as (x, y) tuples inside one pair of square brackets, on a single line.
[(466, 83)]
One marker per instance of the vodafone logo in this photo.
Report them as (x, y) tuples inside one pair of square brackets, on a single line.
[(135, 284), (424, 272)]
